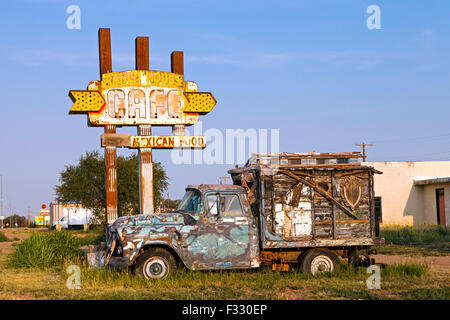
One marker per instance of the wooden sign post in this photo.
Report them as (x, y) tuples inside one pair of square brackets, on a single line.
[(104, 47), (145, 154), (142, 98)]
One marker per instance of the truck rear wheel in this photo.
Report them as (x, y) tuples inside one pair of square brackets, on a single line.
[(156, 263), (319, 260)]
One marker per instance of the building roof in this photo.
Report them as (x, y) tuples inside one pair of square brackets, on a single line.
[(313, 154), (420, 181)]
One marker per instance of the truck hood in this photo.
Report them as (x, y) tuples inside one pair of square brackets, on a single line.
[(165, 218)]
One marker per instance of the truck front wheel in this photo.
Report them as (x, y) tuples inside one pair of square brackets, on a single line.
[(319, 260), (156, 263)]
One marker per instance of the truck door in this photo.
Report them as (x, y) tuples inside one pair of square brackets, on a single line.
[(223, 236)]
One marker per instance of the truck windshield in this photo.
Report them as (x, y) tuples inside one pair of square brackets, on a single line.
[(191, 202)]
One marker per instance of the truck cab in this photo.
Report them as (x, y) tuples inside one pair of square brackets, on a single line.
[(212, 228)]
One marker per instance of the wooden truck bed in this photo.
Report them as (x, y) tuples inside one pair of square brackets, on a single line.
[(326, 205)]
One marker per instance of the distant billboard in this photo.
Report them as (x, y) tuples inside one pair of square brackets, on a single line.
[(42, 220)]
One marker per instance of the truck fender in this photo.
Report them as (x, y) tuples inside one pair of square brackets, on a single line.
[(158, 244)]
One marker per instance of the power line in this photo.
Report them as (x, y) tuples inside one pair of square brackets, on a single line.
[(416, 155), (412, 139)]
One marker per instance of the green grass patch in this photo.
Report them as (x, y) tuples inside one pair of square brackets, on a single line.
[(415, 235), (45, 250), (95, 239), (439, 293), (405, 270), (3, 237)]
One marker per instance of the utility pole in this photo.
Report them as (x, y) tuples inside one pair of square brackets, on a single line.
[(28, 222), (364, 145), (168, 200), (1, 191), (223, 179), (10, 215)]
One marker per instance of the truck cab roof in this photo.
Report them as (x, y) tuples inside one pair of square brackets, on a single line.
[(217, 187)]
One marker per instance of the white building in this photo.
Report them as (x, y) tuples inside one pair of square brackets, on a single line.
[(413, 192)]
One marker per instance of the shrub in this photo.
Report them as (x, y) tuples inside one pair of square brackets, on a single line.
[(3, 238), (43, 250)]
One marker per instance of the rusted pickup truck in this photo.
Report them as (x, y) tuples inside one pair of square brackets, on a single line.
[(307, 211)]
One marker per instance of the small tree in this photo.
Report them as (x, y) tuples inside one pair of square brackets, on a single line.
[(85, 183), (15, 221)]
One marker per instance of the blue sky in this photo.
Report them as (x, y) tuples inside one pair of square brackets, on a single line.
[(311, 69)]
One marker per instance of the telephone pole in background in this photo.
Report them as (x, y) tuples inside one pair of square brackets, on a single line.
[(1, 191), (364, 145), (10, 215), (224, 179), (28, 215)]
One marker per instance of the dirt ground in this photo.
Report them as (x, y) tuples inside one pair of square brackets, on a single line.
[(437, 264), (13, 233)]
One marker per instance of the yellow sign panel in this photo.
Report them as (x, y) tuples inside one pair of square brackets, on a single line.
[(142, 97), (86, 101), (201, 102), (168, 142)]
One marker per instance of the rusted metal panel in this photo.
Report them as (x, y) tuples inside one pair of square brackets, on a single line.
[(116, 140)]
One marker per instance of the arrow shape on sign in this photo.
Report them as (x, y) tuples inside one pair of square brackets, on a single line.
[(199, 102), (86, 101)]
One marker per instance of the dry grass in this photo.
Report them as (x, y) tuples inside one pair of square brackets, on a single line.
[(405, 281)]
